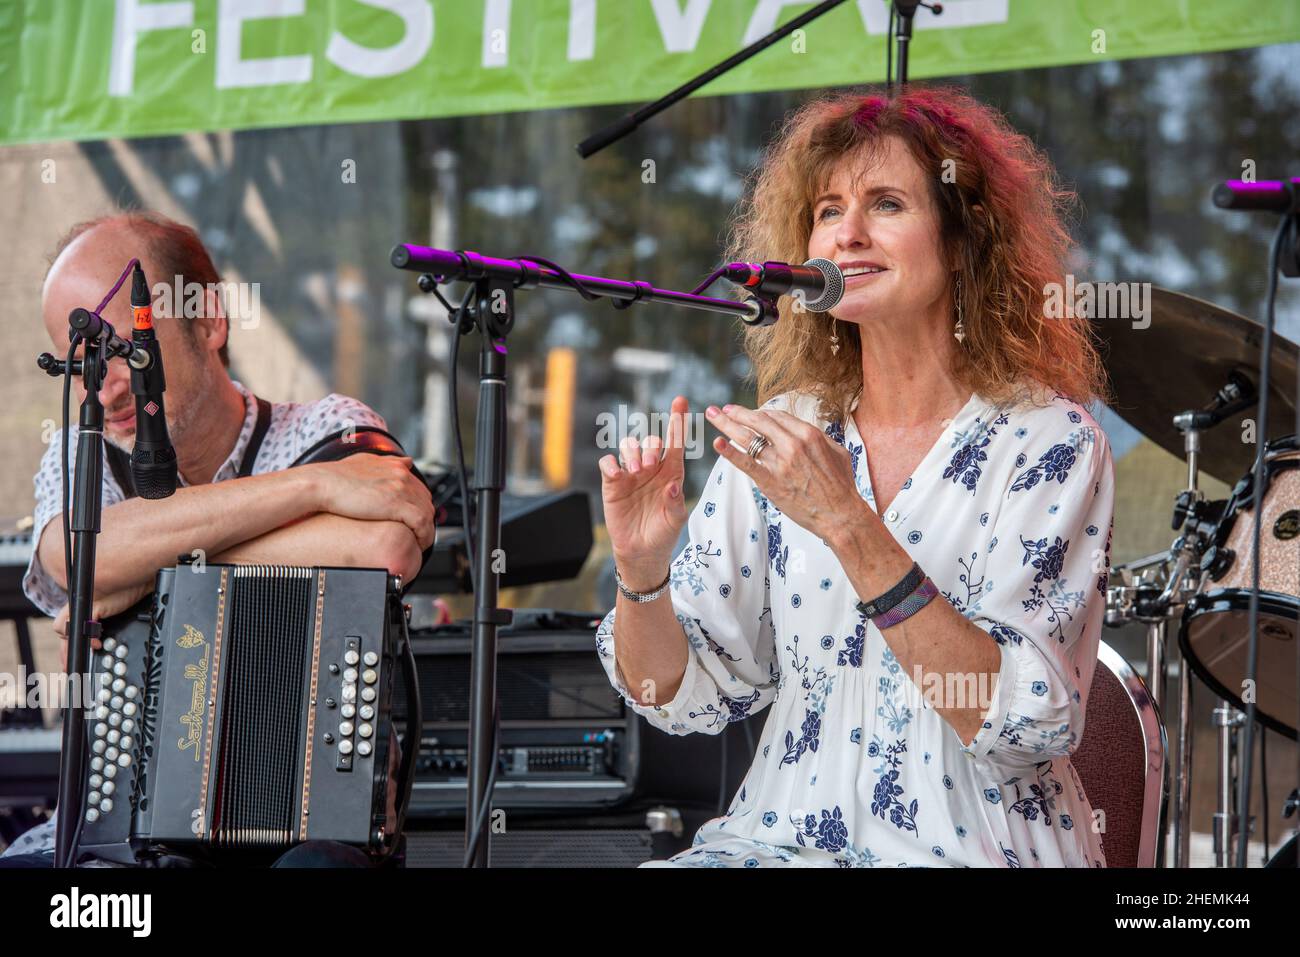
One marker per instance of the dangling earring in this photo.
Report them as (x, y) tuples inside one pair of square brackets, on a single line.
[(835, 339), (959, 332)]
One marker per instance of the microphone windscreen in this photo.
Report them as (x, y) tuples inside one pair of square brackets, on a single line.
[(834, 290)]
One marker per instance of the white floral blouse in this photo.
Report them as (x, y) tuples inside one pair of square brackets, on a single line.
[(1010, 513)]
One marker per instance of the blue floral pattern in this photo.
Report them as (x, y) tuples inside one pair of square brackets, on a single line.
[(855, 767), (966, 465)]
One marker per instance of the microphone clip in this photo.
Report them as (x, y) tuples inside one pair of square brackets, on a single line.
[(766, 311)]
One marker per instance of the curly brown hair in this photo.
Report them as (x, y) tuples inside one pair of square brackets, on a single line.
[(1003, 217)]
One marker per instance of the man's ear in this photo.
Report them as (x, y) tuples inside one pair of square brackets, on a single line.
[(212, 328)]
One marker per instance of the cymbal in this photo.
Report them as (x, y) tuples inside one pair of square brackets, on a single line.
[(1180, 360)]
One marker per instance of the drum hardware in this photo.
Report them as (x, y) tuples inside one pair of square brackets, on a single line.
[(1206, 350), (1229, 722), (1161, 588), (1183, 792)]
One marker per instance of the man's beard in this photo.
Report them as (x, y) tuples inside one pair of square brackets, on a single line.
[(179, 420)]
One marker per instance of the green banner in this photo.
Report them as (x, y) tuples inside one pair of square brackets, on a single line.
[(90, 69)]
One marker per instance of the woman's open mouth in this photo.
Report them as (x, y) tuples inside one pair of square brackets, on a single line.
[(859, 274)]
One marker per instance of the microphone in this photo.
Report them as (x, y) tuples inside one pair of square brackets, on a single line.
[(153, 460), (818, 282), (1278, 196)]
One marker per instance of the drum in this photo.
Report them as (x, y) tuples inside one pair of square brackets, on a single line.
[(1285, 856), (1214, 636)]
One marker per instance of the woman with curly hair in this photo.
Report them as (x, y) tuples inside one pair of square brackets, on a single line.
[(928, 440)]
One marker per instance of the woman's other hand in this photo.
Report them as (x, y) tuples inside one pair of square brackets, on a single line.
[(645, 507)]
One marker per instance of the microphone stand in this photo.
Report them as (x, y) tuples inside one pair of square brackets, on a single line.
[(622, 127), (1282, 197), (100, 344), (492, 311), (904, 10)]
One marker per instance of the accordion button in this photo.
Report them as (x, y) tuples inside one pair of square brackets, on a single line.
[(366, 730), (348, 710), (113, 735), (350, 676), (111, 753), (119, 669), (351, 657), (363, 748), (367, 694), (131, 692), (106, 805), (101, 729), (371, 659), (369, 676), (92, 797), (345, 746), (367, 712), (98, 745), (119, 685), (110, 644), (127, 725), (349, 692), (120, 651), (110, 770), (129, 709), (106, 661), (96, 764), (116, 704), (101, 712), (126, 743), (92, 816), (109, 787), (103, 695), (345, 729), (123, 760), (96, 780)]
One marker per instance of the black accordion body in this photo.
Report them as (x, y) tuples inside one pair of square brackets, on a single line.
[(245, 708)]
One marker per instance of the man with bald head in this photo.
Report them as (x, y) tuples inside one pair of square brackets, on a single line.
[(237, 500)]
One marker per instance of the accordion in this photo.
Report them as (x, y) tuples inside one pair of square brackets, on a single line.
[(247, 708)]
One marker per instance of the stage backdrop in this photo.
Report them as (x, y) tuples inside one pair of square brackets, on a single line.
[(90, 69)]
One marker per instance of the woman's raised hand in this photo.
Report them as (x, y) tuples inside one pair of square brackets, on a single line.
[(645, 507)]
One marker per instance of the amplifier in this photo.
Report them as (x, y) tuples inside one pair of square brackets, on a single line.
[(567, 740), (554, 847)]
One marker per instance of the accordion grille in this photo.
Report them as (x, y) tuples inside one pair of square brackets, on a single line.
[(272, 617)]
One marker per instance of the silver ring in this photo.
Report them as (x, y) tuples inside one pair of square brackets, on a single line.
[(757, 444)]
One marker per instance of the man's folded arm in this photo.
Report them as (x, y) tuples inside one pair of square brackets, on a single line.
[(325, 539), (145, 535)]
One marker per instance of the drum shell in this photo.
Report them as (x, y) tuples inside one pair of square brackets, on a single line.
[(1214, 631)]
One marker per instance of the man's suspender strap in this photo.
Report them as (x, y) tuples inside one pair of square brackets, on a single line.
[(119, 462), (255, 441)]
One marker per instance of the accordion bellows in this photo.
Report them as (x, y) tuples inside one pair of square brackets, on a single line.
[(243, 707)]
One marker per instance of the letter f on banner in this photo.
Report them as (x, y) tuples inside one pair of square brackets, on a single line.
[(131, 19)]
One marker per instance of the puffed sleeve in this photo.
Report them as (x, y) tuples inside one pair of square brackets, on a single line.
[(1048, 564), (719, 592)]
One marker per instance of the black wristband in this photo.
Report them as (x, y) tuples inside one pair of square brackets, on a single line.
[(881, 604)]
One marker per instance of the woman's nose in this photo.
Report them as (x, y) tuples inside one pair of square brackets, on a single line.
[(852, 232)]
